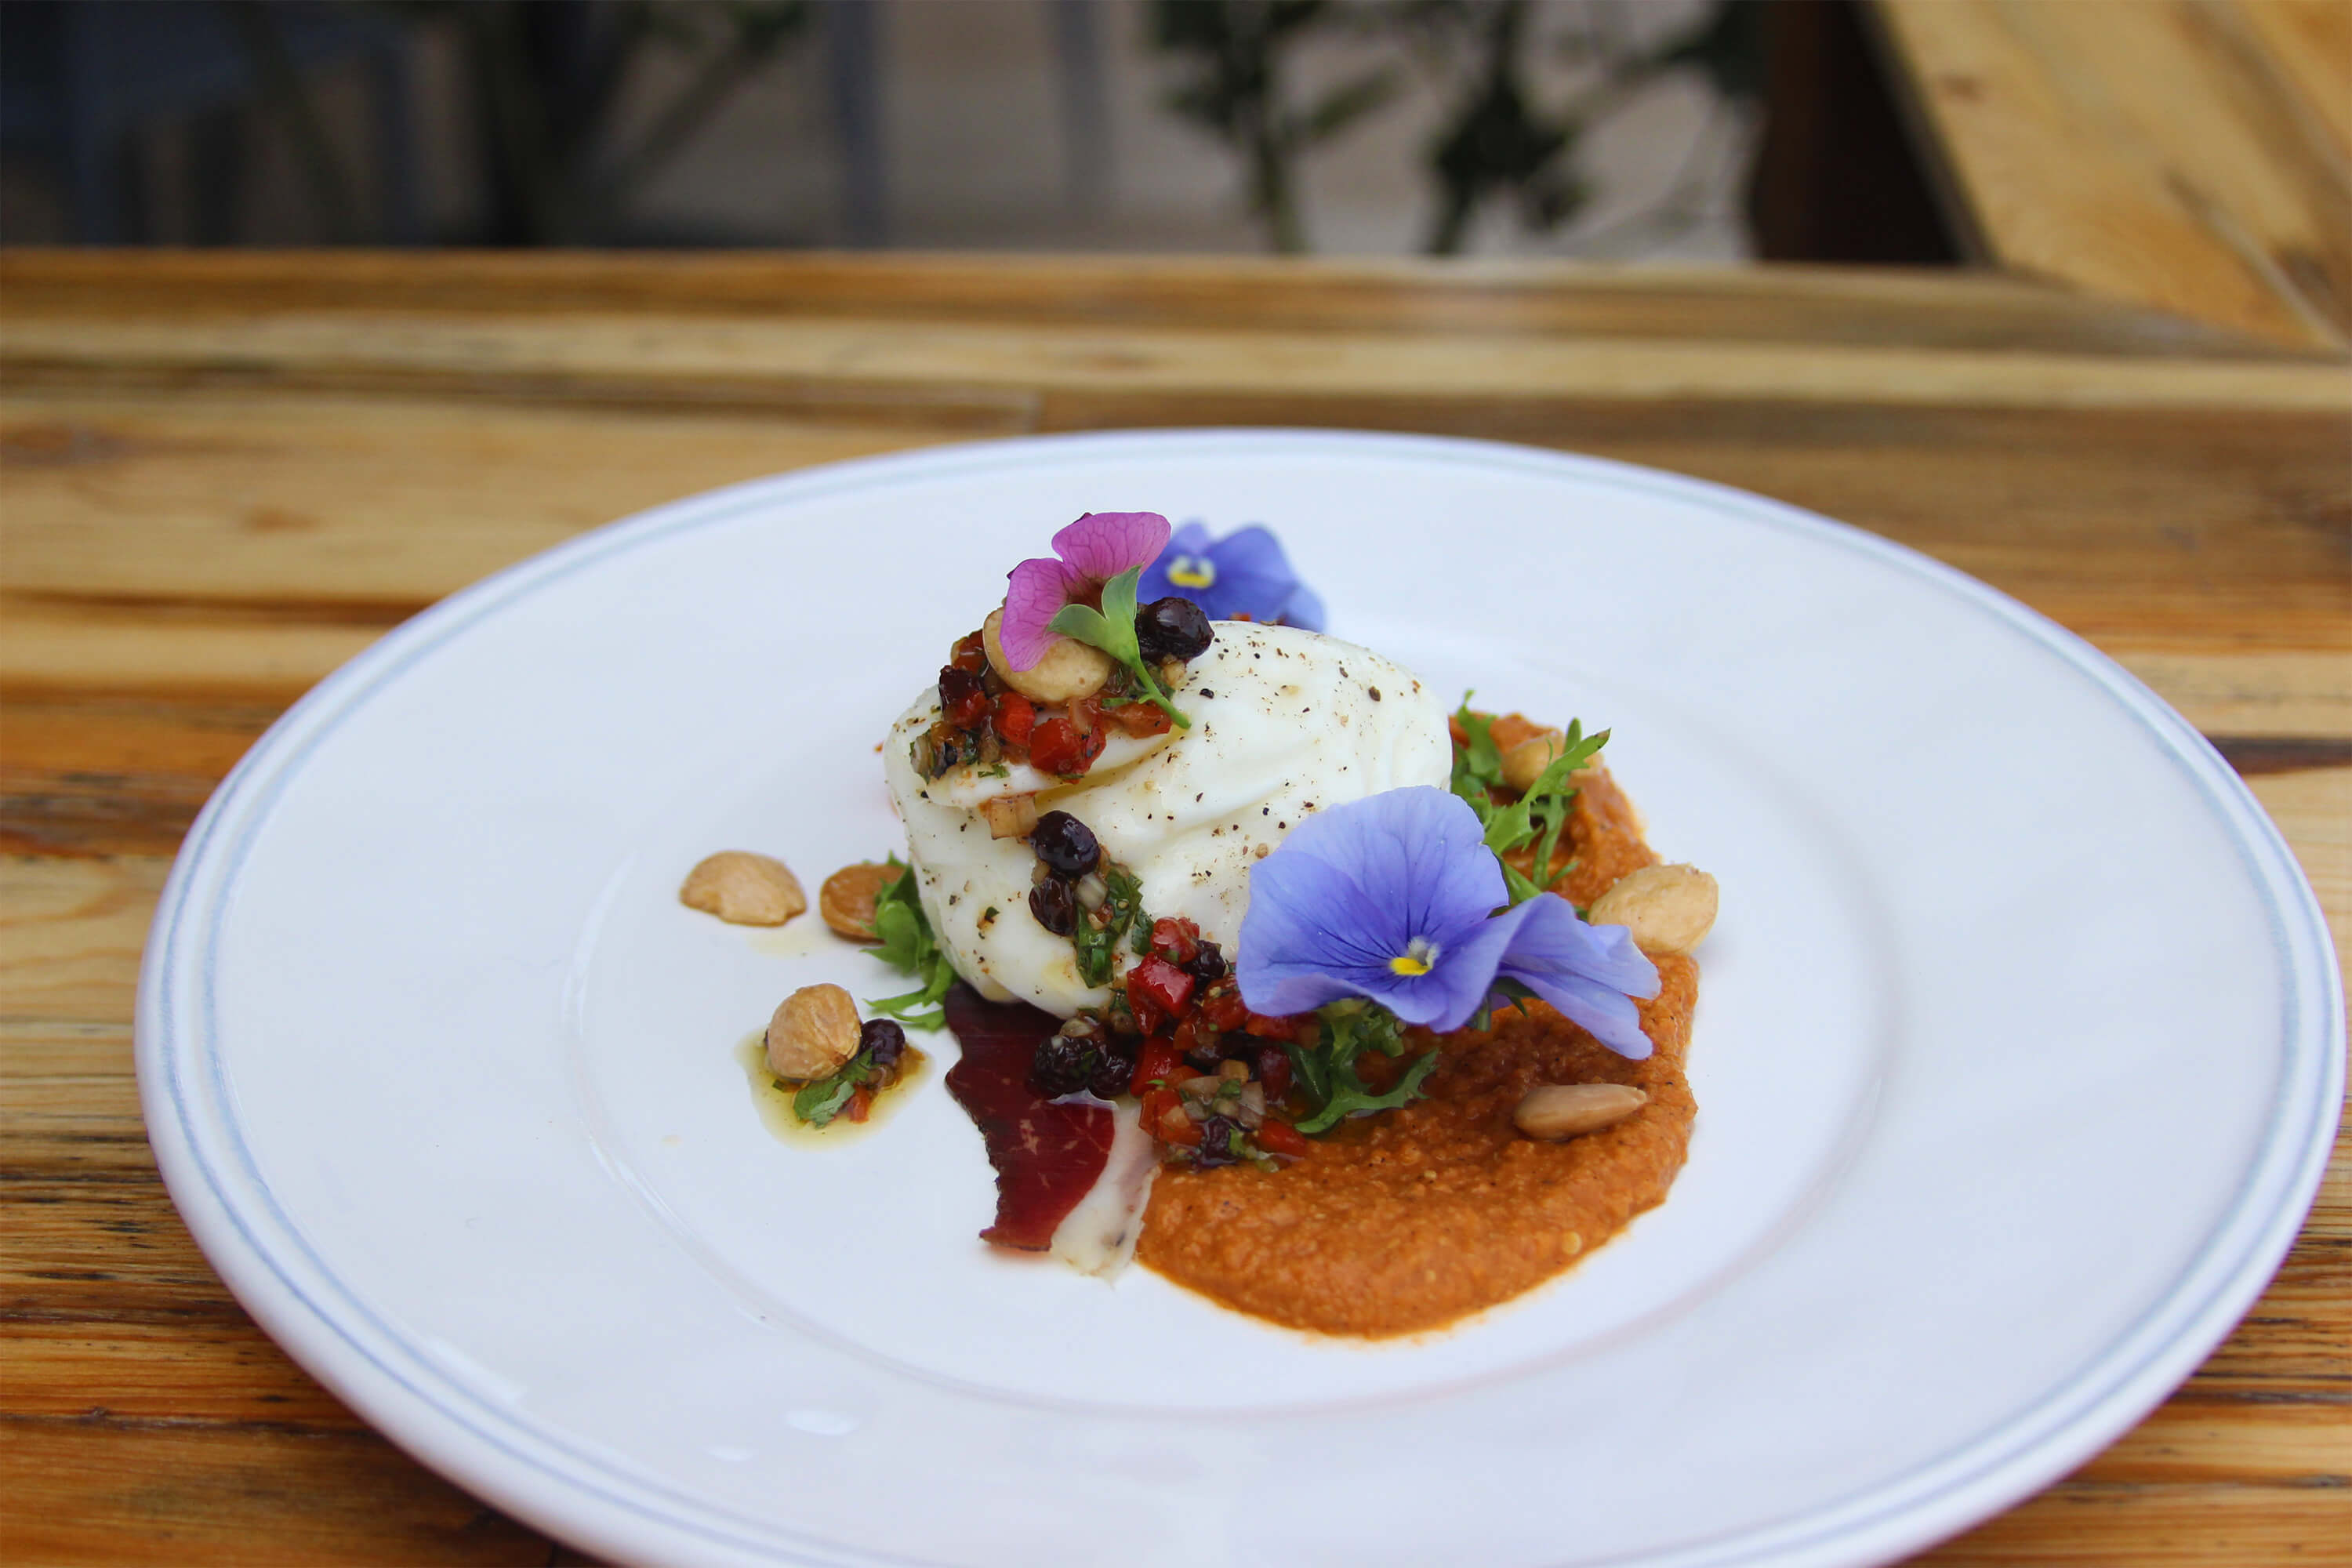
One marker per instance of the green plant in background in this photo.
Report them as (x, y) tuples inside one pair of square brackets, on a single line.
[(1235, 53), (1498, 139), (1499, 143), (547, 75)]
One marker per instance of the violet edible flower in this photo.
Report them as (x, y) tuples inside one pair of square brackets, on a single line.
[(1591, 974), (1393, 898), (1092, 551), (1243, 576), (1386, 898)]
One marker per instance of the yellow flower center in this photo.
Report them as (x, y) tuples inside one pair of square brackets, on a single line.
[(1419, 956), (1192, 572)]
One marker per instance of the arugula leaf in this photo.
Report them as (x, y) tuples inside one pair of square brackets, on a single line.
[(1477, 763), (909, 947), (1352, 1098), (1537, 818), (1112, 629), (1327, 1070), (821, 1099)]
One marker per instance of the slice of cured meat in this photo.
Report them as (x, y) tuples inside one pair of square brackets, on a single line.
[(1047, 1155)]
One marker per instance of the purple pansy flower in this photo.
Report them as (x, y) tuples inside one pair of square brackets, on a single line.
[(1591, 974), (1243, 576), (1393, 898), (1092, 551)]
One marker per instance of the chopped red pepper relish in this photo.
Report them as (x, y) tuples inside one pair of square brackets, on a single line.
[(983, 721), (1209, 1085)]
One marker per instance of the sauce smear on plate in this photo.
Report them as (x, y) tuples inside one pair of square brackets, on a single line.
[(1047, 1156)]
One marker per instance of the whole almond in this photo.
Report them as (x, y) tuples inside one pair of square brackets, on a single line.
[(814, 1031), (743, 888), (1558, 1111), (1070, 668), (1669, 908), (846, 900)]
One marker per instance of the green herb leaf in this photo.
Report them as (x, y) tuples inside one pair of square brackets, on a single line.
[(1536, 820), (1112, 629), (1090, 625), (909, 947), (1327, 1070), (821, 1099)]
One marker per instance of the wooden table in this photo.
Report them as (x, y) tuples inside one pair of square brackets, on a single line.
[(2191, 155), (221, 476)]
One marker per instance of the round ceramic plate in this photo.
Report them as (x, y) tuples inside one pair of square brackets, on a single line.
[(2018, 1050)]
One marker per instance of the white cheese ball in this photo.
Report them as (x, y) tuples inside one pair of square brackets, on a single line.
[(1285, 723)]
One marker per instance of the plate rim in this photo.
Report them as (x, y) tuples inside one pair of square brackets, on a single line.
[(2080, 1415)]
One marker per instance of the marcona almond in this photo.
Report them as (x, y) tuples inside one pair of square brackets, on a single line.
[(1070, 668), (848, 899), (1669, 908), (1558, 1111), (743, 888), (1524, 763), (1010, 816), (814, 1030)]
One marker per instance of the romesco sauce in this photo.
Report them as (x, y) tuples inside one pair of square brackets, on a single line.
[(1408, 1220)]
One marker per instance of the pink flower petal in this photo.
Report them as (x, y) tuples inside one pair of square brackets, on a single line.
[(1102, 545), (1039, 589)]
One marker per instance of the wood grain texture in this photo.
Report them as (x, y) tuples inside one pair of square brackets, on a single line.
[(1396, 297), (2181, 154), (220, 475)]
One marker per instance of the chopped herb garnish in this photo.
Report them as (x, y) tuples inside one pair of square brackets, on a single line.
[(1537, 818), (819, 1101), (1327, 1072), (908, 946), (1100, 932)]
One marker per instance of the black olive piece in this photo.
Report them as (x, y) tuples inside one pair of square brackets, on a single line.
[(1204, 1058), (1172, 627), (1066, 843), (884, 1041), (956, 685), (1055, 905), (1114, 1069), (1218, 1136), (1061, 1065), (1207, 964)]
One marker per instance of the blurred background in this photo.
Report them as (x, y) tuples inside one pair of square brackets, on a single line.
[(1709, 131)]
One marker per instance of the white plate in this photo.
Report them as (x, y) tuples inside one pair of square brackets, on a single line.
[(2017, 1055)]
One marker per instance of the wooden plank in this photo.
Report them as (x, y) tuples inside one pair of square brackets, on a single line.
[(39, 1048), (2250, 694), (91, 773), (218, 1371), (2309, 42), (357, 510), (2189, 179), (70, 935), (2204, 531), (107, 1491), (194, 530), (2188, 1442), (811, 365), (2084, 1524), (1514, 297)]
